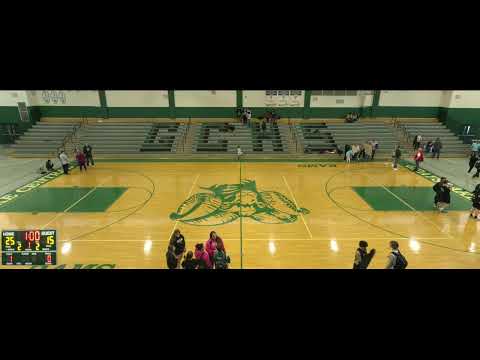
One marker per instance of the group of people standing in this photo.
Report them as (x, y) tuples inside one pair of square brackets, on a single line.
[(395, 261), (84, 158), (352, 117), (359, 152), (433, 147), (211, 255)]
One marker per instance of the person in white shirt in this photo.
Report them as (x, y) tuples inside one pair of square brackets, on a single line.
[(239, 152), (64, 161)]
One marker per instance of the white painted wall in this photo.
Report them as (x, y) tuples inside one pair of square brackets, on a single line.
[(131, 98), (63, 98), (205, 98), (411, 98), (465, 99), (257, 98), (12, 97), (348, 101)]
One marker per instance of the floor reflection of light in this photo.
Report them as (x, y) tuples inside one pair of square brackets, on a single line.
[(147, 247), (414, 245), (334, 245), (66, 247), (271, 247), (472, 247)]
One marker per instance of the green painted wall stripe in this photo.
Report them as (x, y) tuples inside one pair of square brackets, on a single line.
[(239, 98), (306, 108), (103, 103), (171, 103)]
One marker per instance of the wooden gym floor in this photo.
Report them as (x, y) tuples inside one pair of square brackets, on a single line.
[(270, 214)]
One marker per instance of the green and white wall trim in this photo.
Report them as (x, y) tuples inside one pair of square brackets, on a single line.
[(455, 108)]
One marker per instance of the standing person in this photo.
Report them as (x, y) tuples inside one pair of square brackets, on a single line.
[(220, 258), (368, 151), (349, 155), (249, 117), (64, 161), (362, 256), (442, 189), (87, 150), (172, 261), (437, 189), (475, 210), (177, 240), (477, 166), (472, 161), (475, 202), (263, 126), (396, 260), (374, 147), (202, 257), (396, 157), (347, 147), (190, 263), (80, 156), (475, 147), (437, 146), (415, 142), (211, 245), (418, 158), (239, 152)]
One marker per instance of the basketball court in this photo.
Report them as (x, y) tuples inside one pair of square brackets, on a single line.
[(121, 213)]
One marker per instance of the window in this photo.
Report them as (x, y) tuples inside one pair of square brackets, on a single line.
[(334, 92)]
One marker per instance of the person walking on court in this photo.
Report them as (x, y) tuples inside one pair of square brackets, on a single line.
[(396, 157), (472, 161), (177, 240), (64, 161), (437, 189), (220, 258), (202, 257), (475, 212), (437, 146), (396, 260), (418, 158), (87, 150), (80, 156), (362, 256)]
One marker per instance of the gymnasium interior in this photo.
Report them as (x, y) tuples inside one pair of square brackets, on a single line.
[(279, 193)]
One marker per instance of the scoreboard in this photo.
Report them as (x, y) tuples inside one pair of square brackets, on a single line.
[(29, 247)]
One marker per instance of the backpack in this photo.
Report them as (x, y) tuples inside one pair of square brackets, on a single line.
[(221, 260), (400, 261)]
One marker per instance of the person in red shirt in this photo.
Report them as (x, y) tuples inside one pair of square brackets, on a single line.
[(418, 158), (81, 160)]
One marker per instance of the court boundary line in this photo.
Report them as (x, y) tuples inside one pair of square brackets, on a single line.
[(296, 204)]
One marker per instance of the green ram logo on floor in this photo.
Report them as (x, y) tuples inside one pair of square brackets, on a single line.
[(225, 203)]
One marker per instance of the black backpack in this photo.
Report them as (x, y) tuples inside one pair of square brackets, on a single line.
[(400, 261)]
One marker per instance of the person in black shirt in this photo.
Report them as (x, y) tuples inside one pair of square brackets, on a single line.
[(190, 262), (172, 261), (472, 161), (87, 150), (49, 165), (178, 242), (442, 189), (475, 202), (362, 256)]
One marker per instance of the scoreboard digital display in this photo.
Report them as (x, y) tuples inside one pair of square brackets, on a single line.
[(29, 247)]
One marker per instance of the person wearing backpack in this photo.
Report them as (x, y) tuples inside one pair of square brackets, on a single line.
[(172, 261), (220, 258), (362, 256), (396, 260), (202, 257)]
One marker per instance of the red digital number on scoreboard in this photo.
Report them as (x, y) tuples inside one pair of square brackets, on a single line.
[(32, 236)]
